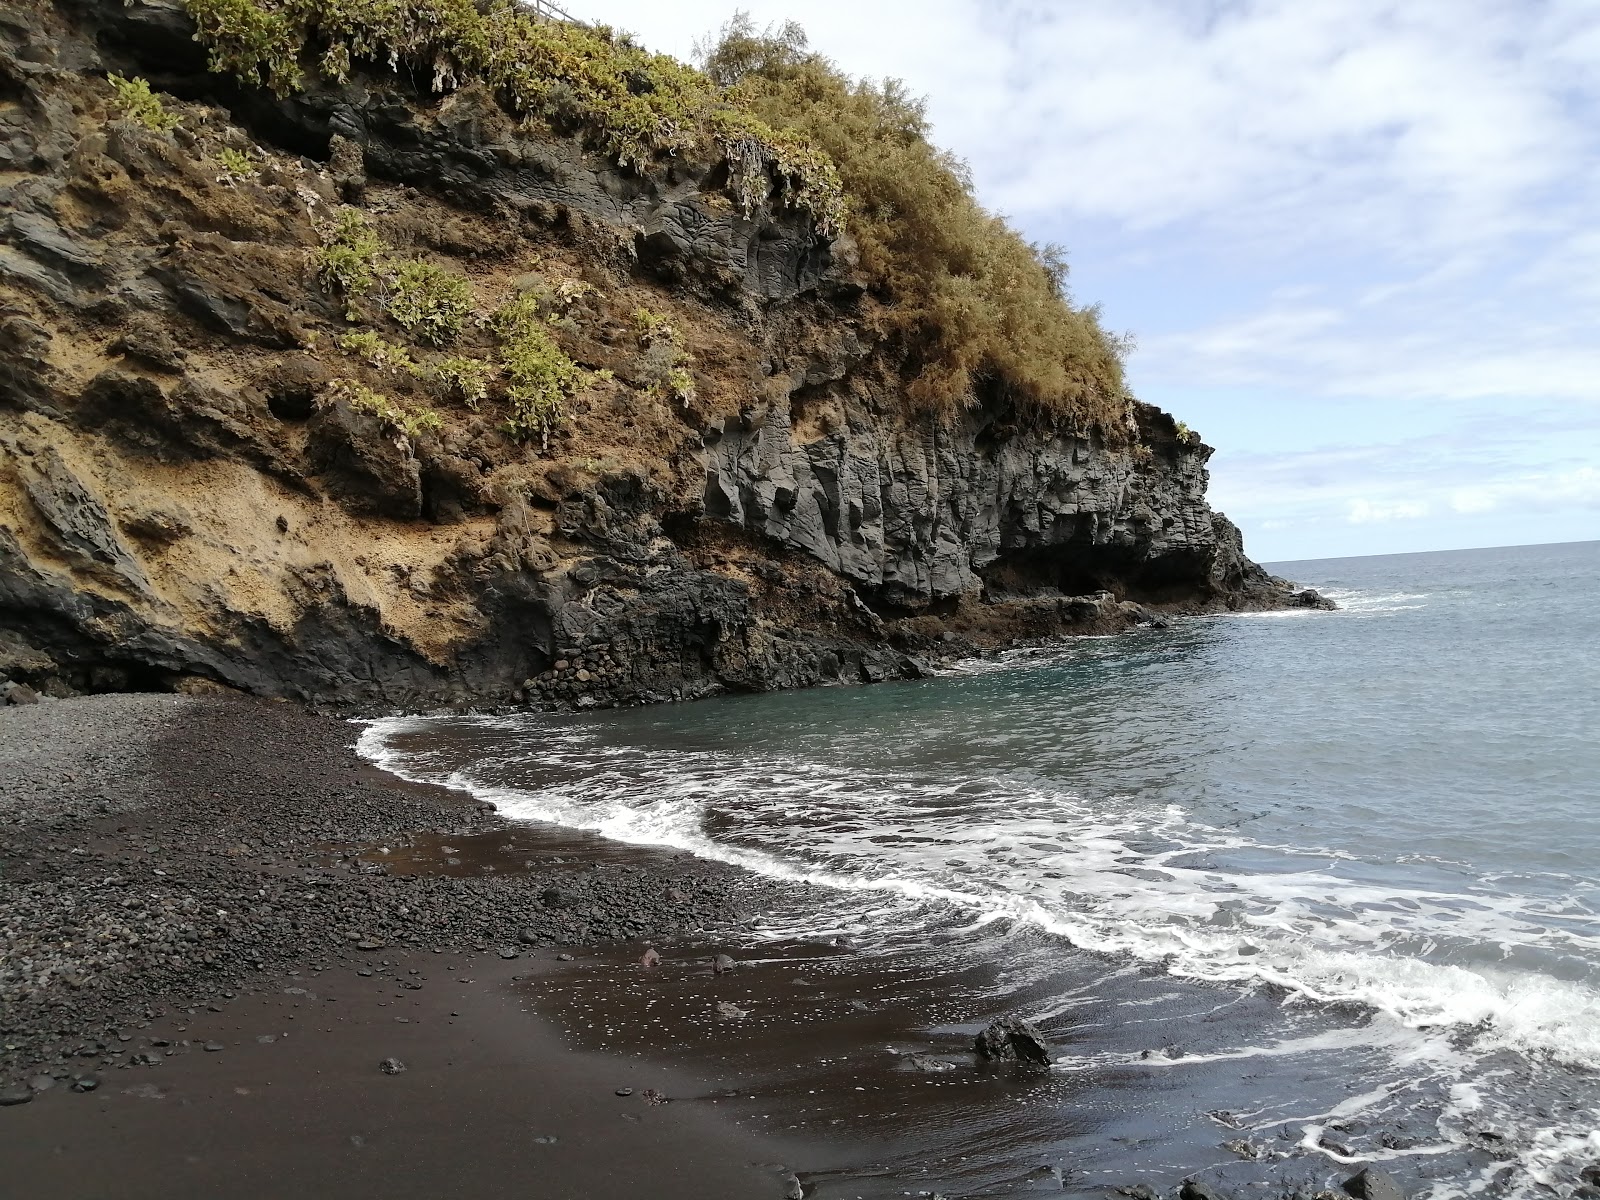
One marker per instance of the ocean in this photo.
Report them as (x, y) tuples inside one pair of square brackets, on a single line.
[(1292, 891)]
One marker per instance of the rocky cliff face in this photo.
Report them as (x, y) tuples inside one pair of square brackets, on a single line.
[(187, 501)]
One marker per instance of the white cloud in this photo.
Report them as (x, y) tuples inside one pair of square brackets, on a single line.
[(1367, 512), (1579, 488)]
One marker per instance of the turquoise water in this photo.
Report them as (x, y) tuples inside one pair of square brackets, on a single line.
[(1394, 807)]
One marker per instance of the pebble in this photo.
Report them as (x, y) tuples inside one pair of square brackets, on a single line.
[(391, 1066)]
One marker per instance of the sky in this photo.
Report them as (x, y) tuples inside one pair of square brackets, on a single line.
[(1357, 241)]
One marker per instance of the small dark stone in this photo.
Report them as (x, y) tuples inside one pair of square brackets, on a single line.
[(722, 964), (1195, 1190), (624, 1091), (85, 1083), (508, 952), (391, 1066), (213, 1047), (1372, 1184), (19, 1094)]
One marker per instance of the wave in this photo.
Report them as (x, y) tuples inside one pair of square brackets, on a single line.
[(1207, 904)]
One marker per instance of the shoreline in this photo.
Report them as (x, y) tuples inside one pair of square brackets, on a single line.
[(170, 888), (347, 895)]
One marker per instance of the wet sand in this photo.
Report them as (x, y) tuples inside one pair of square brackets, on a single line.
[(491, 1103)]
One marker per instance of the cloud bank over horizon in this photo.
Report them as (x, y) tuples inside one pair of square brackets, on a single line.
[(1355, 239)]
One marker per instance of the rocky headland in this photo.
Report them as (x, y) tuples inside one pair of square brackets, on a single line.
[(375, 391)]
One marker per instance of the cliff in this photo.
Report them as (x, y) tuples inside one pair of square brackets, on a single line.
[(370, 394)]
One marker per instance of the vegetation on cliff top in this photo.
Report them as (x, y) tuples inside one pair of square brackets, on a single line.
[(969, 297), (964, 299)]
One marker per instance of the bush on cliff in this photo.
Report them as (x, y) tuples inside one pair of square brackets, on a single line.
[(589, 80), (964, 300), (968, 297)]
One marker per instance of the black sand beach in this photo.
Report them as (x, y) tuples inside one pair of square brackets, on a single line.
[(199, 990)]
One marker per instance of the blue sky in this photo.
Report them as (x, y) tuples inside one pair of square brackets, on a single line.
[(1358, 242)]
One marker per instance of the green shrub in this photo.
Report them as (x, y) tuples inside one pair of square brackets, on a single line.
[(135, 101), (429, 302), (411, 421), (581, 79), (377, 352), (348, 259), (464, 379), (236, 165), (664, 365), (539, 377)]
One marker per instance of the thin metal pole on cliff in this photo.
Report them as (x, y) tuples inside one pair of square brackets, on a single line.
[(546, 11)]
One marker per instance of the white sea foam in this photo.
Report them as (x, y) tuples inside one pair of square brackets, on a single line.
[(1303, 926), (1432, 951)]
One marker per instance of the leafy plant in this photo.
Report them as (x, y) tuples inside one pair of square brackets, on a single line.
[(135, 101), (348, 259), (236, 165), (410, 421), (971, 308), (664, 365), (429, 301), (582, 79), (466, 379), (540, 378), (377, 351)]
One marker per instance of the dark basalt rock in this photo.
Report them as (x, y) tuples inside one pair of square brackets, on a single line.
[(1011, 1039), (1373, 1184), (1311, 598)]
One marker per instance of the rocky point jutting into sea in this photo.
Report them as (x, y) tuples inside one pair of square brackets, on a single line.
[(231, 458)]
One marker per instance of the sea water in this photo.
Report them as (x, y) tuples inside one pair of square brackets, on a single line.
[(1377, 829)]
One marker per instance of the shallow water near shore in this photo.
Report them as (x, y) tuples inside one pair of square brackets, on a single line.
[(1291, 890)]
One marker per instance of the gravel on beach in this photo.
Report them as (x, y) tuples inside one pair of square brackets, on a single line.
[(163, 853)]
